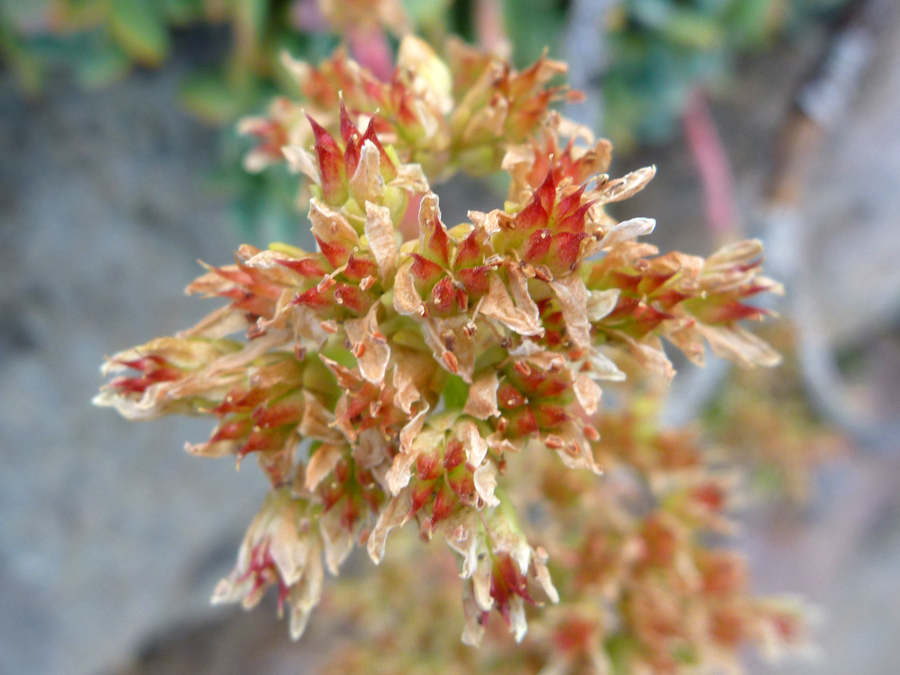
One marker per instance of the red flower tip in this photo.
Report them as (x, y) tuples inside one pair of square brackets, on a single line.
[(331, 165)]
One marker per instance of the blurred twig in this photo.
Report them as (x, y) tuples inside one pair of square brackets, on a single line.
[(584, 48), (820, 105)]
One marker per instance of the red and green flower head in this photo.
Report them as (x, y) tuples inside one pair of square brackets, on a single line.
[(378, 382)]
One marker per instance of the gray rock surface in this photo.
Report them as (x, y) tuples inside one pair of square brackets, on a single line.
[(108, 530), (110, 536)]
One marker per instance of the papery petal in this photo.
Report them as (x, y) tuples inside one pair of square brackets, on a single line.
[(317, 421), (380, 235), (367, 183), (740, 346), (475, 446), (572, 447), (587, 392), (304, 597), (337, 540), (601, 303), (485, 479), (407, 300), (604, 368), (628, 230), (369, 346), (322, 463), (405, 384), (627, 186), (303, 161), (395, 514), (329, 225), (473, 632), (430, 76), (542, 574), (410, 447), (452, 345), (572, 295), (482, 399), (523, 319)]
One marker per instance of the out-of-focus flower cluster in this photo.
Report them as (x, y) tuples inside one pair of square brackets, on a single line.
[(460, 114), (642, 589), (446, 380), (763, 420)]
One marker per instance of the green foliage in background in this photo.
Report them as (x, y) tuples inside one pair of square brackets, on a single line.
[(661, 50), (658, 51)]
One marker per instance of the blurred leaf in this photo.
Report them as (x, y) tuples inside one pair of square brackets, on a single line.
[(534, 25), (182, 12), (250, 19), (137, 25), (754, 20), (693, 30), (210, 98), (651, 13), (424, 12), (618, 647), (28, 70), (102, 67), (456, 391)]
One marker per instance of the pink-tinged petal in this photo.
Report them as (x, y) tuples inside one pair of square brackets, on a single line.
[(443, 297), (348, 129), (532, 217), (309, 268), (331, 166), (536, 246), (625, 187), (740, 346), (435, 242), (388, 169), (628, 230), (475, 279), (425, 271), (407, 300), (587, 392), (404, 381), (412, 443)]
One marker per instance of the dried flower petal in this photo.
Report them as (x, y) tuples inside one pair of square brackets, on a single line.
[(482, 399), (523, 318), (395, 514), (380, 235)]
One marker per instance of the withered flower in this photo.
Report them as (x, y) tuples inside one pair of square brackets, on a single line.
[(459, 113), (379, 382)]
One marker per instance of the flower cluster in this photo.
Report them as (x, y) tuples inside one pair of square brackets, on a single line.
[(764, 421), (462, 114), (644, 590), (381, 382)]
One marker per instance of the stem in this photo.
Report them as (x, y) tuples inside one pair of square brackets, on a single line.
[(712, 165), (369, 46)]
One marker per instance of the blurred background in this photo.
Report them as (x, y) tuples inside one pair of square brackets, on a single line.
[(120, 167)]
